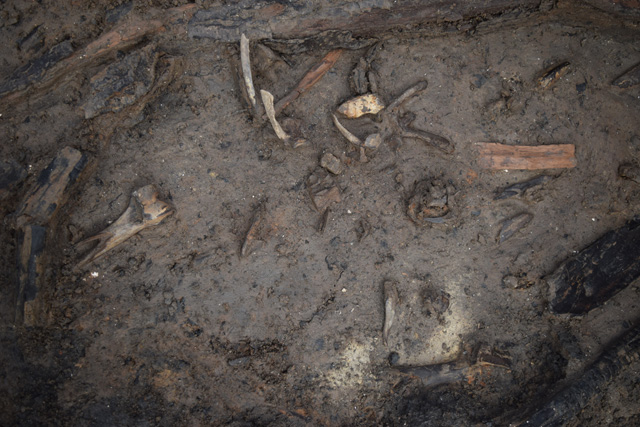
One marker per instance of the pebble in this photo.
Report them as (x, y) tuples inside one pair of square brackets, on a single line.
[(332, 164)]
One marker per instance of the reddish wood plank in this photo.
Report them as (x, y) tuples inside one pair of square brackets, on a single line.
[(500, 156), (311, 78)]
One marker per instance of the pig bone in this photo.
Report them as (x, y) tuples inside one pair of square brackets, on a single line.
[(267, 100), (144, 210)]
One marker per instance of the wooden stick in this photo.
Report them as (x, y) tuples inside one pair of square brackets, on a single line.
[(567, 403), (591, 277), (122, 36), (311, 78), (501, 156), (49, 193), (628, 79), (32, 263), (33, 219)]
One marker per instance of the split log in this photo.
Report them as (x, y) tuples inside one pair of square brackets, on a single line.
[(567, 403), (458, 370), (501, 156), (61, 61), (42, 202), (31, 271), (366, 18), (122, 83), (588, 279), (35, 69), (33, 220)]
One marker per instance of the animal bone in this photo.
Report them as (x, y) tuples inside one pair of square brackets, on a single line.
[(350, 137), (144, 210), (246, 71), (267, 100)]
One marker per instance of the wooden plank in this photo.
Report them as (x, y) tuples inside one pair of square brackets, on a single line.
[(588, 279), (562, 407), (368, 18), (42, 202), (35, 69), (33, 220), (501, 156), (63, 62), (31, 272)]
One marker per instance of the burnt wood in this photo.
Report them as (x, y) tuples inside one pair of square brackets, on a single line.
[(588, 279), (568, 402), (366, 18)]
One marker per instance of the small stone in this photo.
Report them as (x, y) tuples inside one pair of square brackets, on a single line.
[(324, 198), (322, 190), (373, 141), (332, 164), (510, 281)]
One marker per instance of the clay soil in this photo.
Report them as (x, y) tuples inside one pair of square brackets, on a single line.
[(175, 327)]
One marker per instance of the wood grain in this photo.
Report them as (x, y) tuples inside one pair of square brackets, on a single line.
[(500, 156)]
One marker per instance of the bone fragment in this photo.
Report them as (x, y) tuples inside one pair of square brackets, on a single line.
[(391, 301), (350, 137), (267, 100), (144, 210), (361, 105), (413, 90), (246, 71)]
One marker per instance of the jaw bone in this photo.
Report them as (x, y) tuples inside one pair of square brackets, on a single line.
[(144, 210)]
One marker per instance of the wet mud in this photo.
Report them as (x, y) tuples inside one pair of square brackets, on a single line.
[(266, 297)]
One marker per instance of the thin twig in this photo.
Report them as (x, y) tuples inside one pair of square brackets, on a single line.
[(350, 137)]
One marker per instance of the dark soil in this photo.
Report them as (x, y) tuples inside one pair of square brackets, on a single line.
[(175, 327)]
